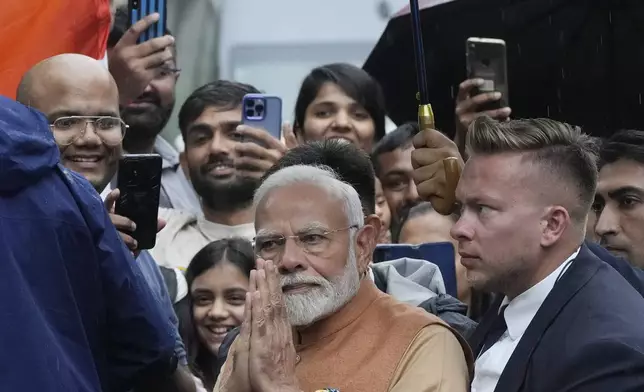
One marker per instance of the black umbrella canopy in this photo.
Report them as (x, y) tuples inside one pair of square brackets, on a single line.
[(578, 61)]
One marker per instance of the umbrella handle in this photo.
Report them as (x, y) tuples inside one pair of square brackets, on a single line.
[(447, 204), (452, 175)]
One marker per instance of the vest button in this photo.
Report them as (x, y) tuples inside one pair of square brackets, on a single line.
[(297, 359)]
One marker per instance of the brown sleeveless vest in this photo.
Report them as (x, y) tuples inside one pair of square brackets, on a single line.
[(359, 347)]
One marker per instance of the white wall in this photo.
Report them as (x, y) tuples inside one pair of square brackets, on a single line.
[(273, 44)]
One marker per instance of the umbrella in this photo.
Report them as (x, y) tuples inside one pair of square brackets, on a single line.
[(578, 61)]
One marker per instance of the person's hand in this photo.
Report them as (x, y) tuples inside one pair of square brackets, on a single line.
[(437, 167), (256, 158), (272, 353), (133, 65), (288, 136), (235, 377), (468, 107), (124, 225)]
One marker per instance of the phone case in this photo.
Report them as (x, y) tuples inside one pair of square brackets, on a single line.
[(263, 111), (139, 181), (487, 59), (139, 9), (440, 253)]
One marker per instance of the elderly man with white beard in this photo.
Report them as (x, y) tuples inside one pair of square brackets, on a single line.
[(313, 320)]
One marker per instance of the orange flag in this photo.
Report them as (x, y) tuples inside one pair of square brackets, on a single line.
[(33, 30)]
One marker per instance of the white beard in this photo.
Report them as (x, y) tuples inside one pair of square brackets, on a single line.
[(326, 298)]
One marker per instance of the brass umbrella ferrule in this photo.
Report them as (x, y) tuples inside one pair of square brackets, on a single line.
[(425, 117)]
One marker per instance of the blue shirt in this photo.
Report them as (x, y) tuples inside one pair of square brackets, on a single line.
[(155, 280)]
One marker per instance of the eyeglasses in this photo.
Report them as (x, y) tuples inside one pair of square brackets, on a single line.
[(313, 242), (111, 130)]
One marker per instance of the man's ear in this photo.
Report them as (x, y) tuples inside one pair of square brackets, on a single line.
[(555, 221), (366, 241)]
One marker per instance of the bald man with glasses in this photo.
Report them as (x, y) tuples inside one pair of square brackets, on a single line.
[(80, 101)]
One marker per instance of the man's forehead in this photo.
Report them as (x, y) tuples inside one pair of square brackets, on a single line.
[(619, 174), (488, 175), (296, 205), (86, 100), (214, 116), (396, 160)]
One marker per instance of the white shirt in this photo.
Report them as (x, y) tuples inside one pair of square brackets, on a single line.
[(518, 316), (185, 234)]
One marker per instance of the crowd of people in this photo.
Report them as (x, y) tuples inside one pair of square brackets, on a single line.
[(262, 278)]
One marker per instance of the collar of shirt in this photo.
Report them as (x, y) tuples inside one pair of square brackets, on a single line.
[(522, 309), (168, 153)]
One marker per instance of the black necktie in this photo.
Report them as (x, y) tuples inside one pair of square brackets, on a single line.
[(496, 330)]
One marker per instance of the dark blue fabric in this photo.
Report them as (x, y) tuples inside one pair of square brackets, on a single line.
[(587, 335), (76, 313), (633, 275), (157, 283)]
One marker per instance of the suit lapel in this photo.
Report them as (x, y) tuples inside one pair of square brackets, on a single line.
[(579, 273)]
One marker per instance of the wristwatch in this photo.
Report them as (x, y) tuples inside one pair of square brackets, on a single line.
[(328, 390)]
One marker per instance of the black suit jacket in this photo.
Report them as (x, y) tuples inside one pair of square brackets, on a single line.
[(588, 335)]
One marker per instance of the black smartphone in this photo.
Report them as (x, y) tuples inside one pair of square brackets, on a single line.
[(487, 59), (139, 181), (139, 9)]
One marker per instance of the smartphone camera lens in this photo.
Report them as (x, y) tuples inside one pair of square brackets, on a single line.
[(250, 103), (259, 108), (250, 112)]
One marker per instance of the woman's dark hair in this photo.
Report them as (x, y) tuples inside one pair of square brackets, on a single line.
[(354, 81), (240, 253)]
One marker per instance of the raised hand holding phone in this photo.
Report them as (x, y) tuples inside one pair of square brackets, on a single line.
[(486, 90), (260, 134), (122, 224), (139, 183), (258, 153), (134, 65)]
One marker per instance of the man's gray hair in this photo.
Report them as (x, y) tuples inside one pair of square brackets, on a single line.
[(322, 177), (560, 149)]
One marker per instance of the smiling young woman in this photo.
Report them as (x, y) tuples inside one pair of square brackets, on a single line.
[(340, 101), (218, 278)]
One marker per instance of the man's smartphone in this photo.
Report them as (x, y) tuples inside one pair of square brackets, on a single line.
[(263, 111), (139, 181), (440, 253), (486, 59), (139, 9)]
